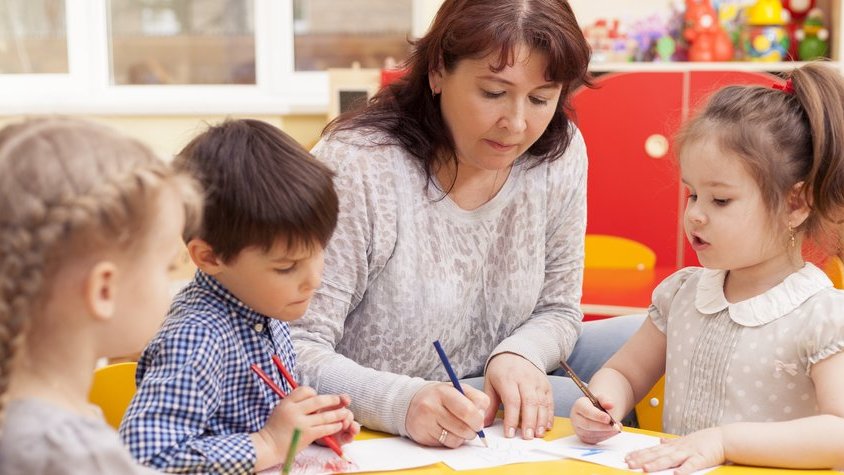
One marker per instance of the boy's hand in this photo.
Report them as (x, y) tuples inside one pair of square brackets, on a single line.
[(591, 424), (696, 451), (350, 427), (314, 415)]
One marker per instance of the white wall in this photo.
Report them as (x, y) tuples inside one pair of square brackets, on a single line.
[(587, 11)]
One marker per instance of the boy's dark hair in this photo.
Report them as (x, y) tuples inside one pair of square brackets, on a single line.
[(260, 186)]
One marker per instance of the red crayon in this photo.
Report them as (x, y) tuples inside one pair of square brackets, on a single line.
[(327, 440)]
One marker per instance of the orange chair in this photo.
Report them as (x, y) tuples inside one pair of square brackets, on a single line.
[(649, 409), (614, 252), (834, 268), (112, 390)]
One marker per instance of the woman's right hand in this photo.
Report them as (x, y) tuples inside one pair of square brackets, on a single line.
[(591, 424), (440, 416)]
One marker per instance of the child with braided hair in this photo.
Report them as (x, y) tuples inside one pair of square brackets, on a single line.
[(90, 225)]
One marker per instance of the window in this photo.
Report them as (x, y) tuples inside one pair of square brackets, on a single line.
[(182, 42), (33, 37), (334, 34), (164, 57)]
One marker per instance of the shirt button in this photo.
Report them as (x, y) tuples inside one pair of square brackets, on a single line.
[(259, 327)]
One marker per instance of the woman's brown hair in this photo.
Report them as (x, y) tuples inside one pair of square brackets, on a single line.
[(469, 29)]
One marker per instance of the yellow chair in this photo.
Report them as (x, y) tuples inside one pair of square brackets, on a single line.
[(112, 390), (649, 409), (614, 252), (834, 268)]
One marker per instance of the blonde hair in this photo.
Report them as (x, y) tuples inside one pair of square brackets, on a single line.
[(68, 187), (785, 137)]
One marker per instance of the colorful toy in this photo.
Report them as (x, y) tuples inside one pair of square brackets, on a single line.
[(798, 11), (813, 37), (729, 16), (608, 42), (707, 40), (766, 38)]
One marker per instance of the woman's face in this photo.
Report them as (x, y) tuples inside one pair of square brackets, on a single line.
[(495, 117)]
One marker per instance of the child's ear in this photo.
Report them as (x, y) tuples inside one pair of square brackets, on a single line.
[(100, 291), (204, 257), (798, 206)]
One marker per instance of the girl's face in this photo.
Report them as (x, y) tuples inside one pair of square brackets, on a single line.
[(726, 220), (144, 291), (495, 117)]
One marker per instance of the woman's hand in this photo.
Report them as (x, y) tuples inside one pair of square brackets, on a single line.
[(696, 451), (591, 424), (440, 416), (524, 391)]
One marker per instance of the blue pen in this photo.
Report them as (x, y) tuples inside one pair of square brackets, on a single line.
[(454, 380)]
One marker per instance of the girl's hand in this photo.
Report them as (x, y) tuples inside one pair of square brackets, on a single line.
[(591, 424), (524, 391), (696, 451), (440, 407)]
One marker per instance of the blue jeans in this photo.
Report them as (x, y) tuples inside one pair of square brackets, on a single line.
[(599, 340)]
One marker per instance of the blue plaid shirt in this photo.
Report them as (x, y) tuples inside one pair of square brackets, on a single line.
[(197, 400)]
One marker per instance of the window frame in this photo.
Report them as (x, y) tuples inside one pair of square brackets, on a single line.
[(87, 88)]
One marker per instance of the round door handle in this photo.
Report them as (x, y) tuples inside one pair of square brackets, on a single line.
[(656, 146)]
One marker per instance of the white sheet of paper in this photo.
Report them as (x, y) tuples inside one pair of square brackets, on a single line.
[(372, 455), (396, 453), (501, 451), (610, 452)]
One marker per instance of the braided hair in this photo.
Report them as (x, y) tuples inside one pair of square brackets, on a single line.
[(68, 187)]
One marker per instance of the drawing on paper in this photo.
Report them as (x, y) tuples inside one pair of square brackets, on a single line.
[(318, 463), (587, 451)]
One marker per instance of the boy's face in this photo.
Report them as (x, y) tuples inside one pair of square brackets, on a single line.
[(278, 283)]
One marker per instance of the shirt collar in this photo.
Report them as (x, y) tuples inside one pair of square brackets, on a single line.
[(214, 287), (780, 300)]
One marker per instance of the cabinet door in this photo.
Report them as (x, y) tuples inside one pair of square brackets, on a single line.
[(629, 193), (702, 85)]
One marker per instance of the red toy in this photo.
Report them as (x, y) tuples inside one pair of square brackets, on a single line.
[(798, 11), (707, 40)]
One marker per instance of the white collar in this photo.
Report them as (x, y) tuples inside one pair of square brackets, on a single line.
[(764, 308)]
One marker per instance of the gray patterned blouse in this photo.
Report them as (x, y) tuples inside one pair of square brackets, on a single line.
[(406, 267)]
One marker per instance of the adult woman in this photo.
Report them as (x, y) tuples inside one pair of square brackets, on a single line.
[(462, 212)]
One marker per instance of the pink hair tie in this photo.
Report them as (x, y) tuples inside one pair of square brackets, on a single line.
[(787, 88)]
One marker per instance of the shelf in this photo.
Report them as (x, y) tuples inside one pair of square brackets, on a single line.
[(701, 66)]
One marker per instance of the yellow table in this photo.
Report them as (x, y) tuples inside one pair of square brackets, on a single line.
[(562, 428)]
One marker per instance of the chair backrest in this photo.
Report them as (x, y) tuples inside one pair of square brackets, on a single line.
[(112, 390), (834, 268), (649, 409), (614, 252)]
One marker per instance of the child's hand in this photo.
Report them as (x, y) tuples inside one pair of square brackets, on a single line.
[(314, 415), (696, 451), (591, 424), (350, 427)]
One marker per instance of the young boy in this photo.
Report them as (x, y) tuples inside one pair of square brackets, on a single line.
[(270, 210)]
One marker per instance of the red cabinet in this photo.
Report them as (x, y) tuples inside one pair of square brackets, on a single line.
[(628, 123)]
